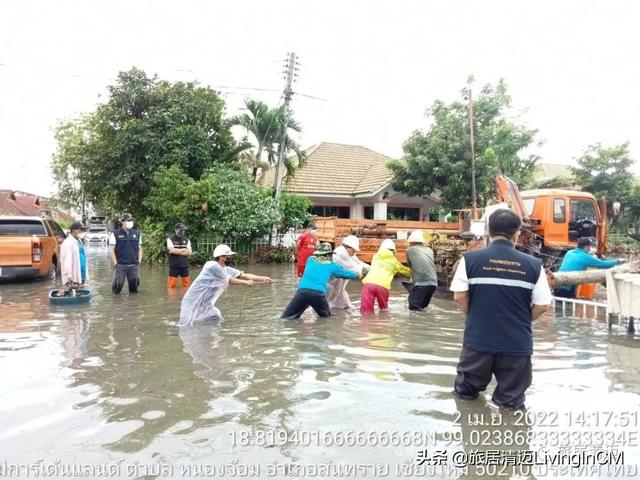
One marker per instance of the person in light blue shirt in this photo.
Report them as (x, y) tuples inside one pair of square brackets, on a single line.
[(312, 289), (579, 259), (83, 257)]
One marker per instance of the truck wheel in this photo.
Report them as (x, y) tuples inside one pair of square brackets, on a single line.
[(53, 271)]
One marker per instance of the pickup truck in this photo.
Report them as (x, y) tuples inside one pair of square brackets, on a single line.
[(29, 248)]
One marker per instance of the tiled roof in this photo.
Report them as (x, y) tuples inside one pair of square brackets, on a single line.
[(26, 204), (19, 203), (337, 169)]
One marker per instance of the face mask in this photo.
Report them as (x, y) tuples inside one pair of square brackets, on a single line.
[(81, 235), (128, 225), (313, 231), (593, 250)]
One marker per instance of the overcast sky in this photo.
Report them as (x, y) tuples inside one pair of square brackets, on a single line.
[(378, 65)]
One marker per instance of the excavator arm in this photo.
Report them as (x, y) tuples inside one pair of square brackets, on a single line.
[(602, 231), (507, 191)]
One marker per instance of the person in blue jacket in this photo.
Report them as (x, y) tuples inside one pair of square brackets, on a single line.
[(579, 259), (312, 289)]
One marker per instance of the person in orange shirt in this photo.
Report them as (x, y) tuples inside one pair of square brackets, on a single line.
[(306, 245)]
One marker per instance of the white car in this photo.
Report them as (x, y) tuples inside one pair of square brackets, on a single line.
[(97, 235)]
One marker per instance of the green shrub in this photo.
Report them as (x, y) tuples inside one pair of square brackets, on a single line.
[(154, 241), (240, 259), (274, 255), (199, 257)]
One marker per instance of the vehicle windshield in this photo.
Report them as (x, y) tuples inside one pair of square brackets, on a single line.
[(583, 209)]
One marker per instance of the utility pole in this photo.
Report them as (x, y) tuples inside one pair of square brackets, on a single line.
[(291, 67), (474, 205)]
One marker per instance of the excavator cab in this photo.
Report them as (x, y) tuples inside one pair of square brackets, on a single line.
[(555, 218), (583, 220)]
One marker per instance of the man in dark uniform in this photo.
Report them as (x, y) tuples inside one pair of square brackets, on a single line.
[(501, 290), (125, 250), (179, 248)]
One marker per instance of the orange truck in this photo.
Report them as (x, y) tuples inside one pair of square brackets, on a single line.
[(29, 248), (554, 219)]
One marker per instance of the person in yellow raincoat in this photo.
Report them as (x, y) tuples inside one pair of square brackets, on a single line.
[(377, 283)]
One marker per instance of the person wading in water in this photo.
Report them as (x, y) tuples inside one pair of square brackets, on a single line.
[(305, 246), (179, 248), (501, 290), (199, 303)]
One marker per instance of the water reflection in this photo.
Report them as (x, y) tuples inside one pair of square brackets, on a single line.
[(623, 357), (120, 379)]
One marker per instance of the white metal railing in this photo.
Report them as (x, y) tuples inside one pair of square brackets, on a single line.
[(582, 312)]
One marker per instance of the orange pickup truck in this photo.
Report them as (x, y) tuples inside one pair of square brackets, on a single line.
[(29, 247)]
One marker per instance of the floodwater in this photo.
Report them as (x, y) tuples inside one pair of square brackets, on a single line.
[(115, 386)]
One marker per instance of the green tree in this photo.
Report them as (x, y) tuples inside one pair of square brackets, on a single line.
[(605, 171), (294, 210), (439, 160), (266, 125), (111, 154), (632, 214)]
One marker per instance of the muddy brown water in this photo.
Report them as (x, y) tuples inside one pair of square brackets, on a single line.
[(114, 384)]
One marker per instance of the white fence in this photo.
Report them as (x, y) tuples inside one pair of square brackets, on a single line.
[(280, 240)]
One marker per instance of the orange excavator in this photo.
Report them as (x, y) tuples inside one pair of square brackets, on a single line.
[(554, 219)]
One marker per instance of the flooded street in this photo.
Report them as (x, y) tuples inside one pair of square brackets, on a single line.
[(114, 383)]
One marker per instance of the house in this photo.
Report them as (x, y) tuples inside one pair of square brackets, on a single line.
[(26, 204), (350, 181)]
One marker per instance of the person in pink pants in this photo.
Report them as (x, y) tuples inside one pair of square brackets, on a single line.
[(377, 283)]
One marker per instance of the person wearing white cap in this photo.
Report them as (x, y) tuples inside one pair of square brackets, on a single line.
[(199, 303), (345, 256), (377, 283), (423, 272)]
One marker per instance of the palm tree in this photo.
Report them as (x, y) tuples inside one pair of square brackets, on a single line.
[(267, 126)]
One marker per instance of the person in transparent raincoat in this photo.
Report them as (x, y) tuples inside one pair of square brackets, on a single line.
[(199, 303), (345, 256)]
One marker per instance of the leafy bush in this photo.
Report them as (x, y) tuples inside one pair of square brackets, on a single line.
[(200, 257), (223, 203), (240, 259), (154, 241), (294, 210), (274, 255)]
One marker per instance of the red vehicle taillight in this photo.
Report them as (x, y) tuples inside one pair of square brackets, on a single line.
[(36, 252)]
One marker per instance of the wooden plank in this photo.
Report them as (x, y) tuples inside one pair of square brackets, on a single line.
[(413, 225)]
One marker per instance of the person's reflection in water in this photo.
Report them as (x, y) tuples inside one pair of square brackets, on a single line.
[(204, 344), (487, 431), (146, 381), (75, 334)]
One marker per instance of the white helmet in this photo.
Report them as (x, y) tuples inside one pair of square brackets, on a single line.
[(222, 250), (387, 244), (416, 237), (352, 241)]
